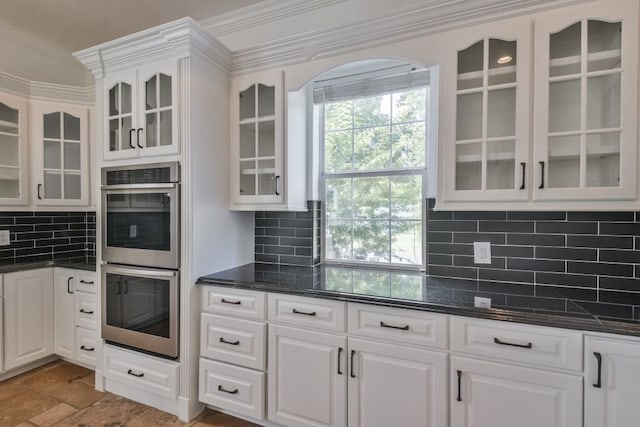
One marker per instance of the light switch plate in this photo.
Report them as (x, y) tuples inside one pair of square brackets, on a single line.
[(482, 302), (5, 239), (482, 252)]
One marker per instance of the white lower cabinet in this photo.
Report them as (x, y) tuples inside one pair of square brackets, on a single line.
[(612, 377), (307, 377), (64, 313), (28, 297), (391, 385), (499, 395)]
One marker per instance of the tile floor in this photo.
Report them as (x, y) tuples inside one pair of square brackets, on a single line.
[(62, 394)]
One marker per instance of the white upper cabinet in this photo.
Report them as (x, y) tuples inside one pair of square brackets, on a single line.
[(140, 112), (13, 150), (487, 101), (59, 154), (586, 84)]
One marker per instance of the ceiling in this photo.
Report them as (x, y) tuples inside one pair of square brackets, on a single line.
[(77, 24)]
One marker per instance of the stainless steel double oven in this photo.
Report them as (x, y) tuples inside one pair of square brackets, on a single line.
[(141, 257)]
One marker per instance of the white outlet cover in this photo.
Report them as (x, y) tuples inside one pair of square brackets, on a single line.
[(5, 239), (482, 302), (482, 252)]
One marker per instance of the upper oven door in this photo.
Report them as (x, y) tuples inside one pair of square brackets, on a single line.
[(140, 224)]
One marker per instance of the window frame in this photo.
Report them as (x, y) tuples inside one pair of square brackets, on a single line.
[(421, 171)]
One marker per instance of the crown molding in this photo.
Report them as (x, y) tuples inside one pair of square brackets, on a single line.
[(428, 18), (46, 91), (177, 39), (260, 14)]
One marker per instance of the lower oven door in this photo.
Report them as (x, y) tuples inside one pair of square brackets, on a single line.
[(140, 308)]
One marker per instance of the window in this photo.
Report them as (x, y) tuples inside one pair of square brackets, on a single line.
[(373, 173)]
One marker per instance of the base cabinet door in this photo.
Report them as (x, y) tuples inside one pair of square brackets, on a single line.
[(28, 316), (612, 377), (392, 385), (63, 309), (307, 377), (498, 395)]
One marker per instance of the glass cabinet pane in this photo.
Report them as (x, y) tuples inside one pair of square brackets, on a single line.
[(114, 134), (501, 164), (565, 51), (470, 66), (266, 100), (603, 101), (165, 127), (151, 133), (604, 41), (72, 186), (501, 112), (9, 119), (127, 139), (71, 128), (51, 125), (469, 166), (52, 185), (247, 140), (248, 178), (52, 154), (9, 150), (603, 160), (266, 139), (114, 100), (564, 161), (151, 96), (266, 177), (126, 98), (72, 156), (248, 103), (502, 62), (165, 91), (469, 117), (564, 106)]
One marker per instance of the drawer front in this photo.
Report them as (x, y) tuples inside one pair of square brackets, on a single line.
[(405, 326), (522, 344), (86, 281), (144, 372), (86, 314), (241, 342), (229, 387), (235, 302), (312, 312), (86, 346)]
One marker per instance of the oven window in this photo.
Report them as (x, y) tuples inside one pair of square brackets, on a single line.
[(139, 220), (138, 304)]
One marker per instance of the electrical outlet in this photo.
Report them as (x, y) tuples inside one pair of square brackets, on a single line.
[(482, 252), (133, 231), (481, 302), (5, 239)]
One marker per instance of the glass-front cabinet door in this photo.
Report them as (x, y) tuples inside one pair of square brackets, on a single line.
[(258, 141), (60, 154), (141, 114), (13, 150), (487, 108), (585, 117)]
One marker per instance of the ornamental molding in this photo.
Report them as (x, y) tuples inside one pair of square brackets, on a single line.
[(46, 91)]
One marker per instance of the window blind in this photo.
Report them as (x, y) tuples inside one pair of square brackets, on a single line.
[(370, 83)]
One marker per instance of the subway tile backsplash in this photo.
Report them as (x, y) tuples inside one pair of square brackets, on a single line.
[(48, 236), (570, 261)]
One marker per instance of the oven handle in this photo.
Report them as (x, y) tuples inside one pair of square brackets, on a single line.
[(153, 186), (141, 272)]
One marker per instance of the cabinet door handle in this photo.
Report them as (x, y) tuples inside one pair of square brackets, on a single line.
[(385, 325), (86, 283), (222, 389), (306, 313), (119, 291), (226, 301), (277, 179), (39, 194), (498, 341), (69, 291), (541, 186), (599, 359), (459, 398), (90, 349), (138, 137), (140, 375), (352, 373), (524, 167), (339, 360), (131, 131), (126, 286), (222, 340), (83, 311)]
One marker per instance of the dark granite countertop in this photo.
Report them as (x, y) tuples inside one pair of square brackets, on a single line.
[(75, 264), (414, 290)]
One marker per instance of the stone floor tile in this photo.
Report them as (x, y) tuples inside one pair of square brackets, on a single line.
[(53, 415), (155, 417), (77, 394), (217, 419), (89, 379), (109, 411), (23, 406)]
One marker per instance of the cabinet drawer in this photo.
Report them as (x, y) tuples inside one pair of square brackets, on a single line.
[(523, 344), (86, 315), (406, 326), (241, 342), (86, 346), (86, 281), (236, 302), (302, 311), (229, 387), (147, 373)]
